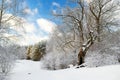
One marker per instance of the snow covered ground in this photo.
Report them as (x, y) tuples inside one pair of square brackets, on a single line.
[(30, 70)]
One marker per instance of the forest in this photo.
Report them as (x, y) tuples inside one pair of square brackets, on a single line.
[(83, 34)]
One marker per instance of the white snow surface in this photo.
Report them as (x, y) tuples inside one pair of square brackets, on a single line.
[(30, 70)]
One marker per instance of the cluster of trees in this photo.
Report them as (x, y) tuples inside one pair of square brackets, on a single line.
[(11, 29), (86, 33), (8, 54), (11, 12), (35, 52), (84, 26), (106, 52)]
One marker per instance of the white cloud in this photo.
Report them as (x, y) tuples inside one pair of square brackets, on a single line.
[(35, 10), (32, 38), (30, 34), (56, 4), (29, 27), (27, 11), (30, 11), (54, 11), (46, 25), (16, 25), (8, 1), (88, 1)]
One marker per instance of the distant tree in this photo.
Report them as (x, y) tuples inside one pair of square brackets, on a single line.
[(35, 52), (16, 51)]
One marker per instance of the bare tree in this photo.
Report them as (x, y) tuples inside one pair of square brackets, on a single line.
[(5, 63), (85, 22), (103, 14), (8, 54), (10, 12), (10, 18)]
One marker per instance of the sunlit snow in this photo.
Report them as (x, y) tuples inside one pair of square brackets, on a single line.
[(30, 70)]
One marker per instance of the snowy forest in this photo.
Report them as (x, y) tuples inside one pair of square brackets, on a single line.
[(84, 41)]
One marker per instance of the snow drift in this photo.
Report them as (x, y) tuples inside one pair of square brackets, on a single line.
[(29, 70)]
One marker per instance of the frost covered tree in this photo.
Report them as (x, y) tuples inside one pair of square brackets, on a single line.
[(17, 51), (104, 13), (11, 12), (10, 20), (106, 52), (88, 22), (8, 54), (57, 55), (6, 60), (85, 23)]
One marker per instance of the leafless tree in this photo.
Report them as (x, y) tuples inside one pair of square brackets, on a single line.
[(8, 54), (10, 12), (10, 18), (86, 22), (5, 63), (103, 13)]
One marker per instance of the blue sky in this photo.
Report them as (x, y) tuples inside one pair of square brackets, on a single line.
[(45, 6), (39, 21)]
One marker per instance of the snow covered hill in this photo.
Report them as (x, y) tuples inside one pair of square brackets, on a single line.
[(30, 70)]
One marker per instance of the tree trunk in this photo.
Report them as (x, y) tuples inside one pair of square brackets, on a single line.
[(81, 57), (1, 13), (82, 53), (98, 30)]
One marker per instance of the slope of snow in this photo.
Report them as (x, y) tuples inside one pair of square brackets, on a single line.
[(30, 70)]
